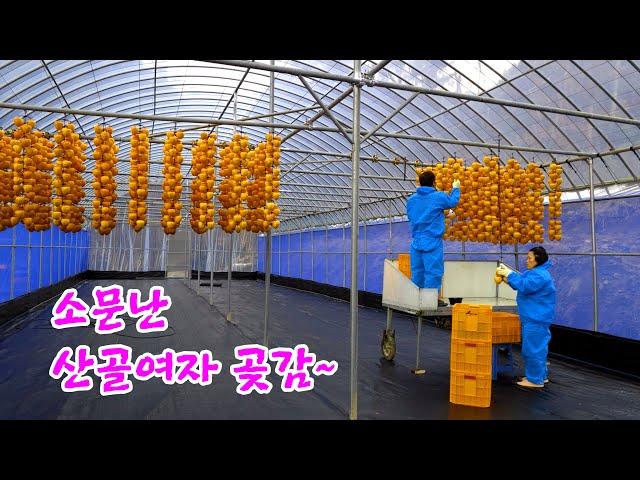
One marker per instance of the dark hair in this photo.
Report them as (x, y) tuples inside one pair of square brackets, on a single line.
[(540, 254), (427, 178)]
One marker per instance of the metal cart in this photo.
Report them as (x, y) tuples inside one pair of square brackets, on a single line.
[(463, 281)]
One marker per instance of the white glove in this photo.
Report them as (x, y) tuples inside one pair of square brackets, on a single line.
[(503, 270), (456, 184)]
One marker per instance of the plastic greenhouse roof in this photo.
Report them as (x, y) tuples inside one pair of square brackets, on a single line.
[(320, 183)]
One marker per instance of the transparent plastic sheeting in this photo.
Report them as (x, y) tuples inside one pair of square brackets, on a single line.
[(124, 250), (324, 256), (214, 245), (29, 261), (127, 251)]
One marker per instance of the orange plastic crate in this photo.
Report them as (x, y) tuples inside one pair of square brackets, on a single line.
[(505, 327), (471, 357), (471, 322), (404, 264), (470, 389)]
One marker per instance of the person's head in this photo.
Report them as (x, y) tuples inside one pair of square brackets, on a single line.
[(427, 179), (536, 256)]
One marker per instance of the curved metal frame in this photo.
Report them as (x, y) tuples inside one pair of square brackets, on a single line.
[(154, 89)]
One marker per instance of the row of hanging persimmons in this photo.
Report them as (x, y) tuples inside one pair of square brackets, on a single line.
[(500, 204), (41, 180)]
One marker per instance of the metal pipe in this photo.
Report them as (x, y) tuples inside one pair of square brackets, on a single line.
[(428, 91), (390, 247), (230, 260), (594, 268), (211, 267), (355, 201), (582, 155), (235, 107), (449, 141), (160, 134), (40, 266), (364, 283), (389, 117), (282, 69), (268, 246), (198, 251), (344, 95), (506, 103), (284, 112), (50, 259), (186, 258), (190, 235), (422, 138), (13, 263), (331, 154), (28, 261), (345, 187), (326, 254), (389, 317), (280, 255), (325, 109), (77, 263), (600, 154), (293, 166), (379, 66), (345, 174), (60, 254), (109, 256), (131, 243), (418, 344), (267, 285), (158, 118)]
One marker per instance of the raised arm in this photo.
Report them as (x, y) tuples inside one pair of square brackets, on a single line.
[(450, 200)]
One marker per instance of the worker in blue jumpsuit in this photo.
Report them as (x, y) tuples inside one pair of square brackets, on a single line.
[(536, 301), (425, 210)]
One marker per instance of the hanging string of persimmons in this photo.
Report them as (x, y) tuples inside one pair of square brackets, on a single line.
[(41, 184), (500, 204)]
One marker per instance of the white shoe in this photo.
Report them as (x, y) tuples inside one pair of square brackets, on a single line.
[(546, 380), (526, 383)]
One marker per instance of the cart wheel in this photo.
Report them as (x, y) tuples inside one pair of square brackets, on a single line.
[(388, 344)]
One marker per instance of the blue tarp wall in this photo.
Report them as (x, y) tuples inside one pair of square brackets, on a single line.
[(40, 258), (322, 256)]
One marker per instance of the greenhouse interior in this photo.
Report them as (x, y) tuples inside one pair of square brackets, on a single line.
[(178, 241)]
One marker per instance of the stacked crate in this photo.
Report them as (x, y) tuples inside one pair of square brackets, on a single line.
[(505, 328), (471, 355)]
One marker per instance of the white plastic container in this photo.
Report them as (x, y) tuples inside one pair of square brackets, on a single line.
[(400, 293)]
